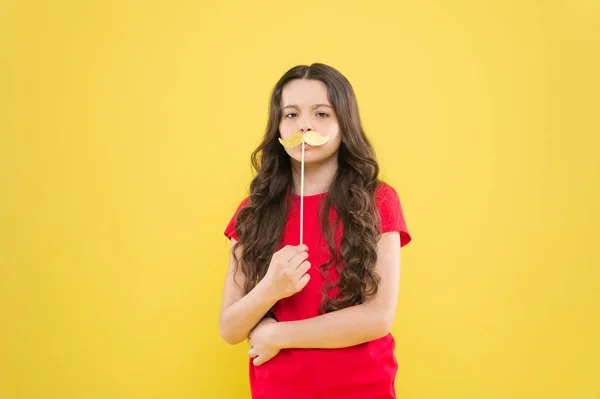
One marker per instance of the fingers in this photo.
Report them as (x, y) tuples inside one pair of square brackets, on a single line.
[(298, 258), (296, 268), (261, 359), (291, 251), (303, 268), (302, 247), (303, 281), (302, 271)]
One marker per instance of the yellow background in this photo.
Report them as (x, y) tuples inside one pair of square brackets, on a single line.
[(125, 134)]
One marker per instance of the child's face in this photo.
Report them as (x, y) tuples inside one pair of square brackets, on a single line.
[(305, 106)]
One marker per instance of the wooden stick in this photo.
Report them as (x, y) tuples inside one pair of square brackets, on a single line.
[(302, 193)]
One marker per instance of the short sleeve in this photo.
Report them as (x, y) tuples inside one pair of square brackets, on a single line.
[(390, 211), (230, 229)]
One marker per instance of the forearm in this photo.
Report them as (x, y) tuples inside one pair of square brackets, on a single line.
[(241, 317), (346, 327)]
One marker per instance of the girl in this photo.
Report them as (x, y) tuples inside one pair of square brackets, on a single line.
[(317, 316)]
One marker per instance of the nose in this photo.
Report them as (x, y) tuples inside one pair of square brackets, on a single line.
[(304, 124)]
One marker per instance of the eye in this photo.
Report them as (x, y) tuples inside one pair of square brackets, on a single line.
[(322, 113), (291, 113)]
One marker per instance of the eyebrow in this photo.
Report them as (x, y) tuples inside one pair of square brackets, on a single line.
[(314, 106)]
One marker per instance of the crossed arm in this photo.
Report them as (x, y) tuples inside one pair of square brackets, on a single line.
[(346, 327)]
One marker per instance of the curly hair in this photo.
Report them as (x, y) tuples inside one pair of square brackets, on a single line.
[(260, 224)]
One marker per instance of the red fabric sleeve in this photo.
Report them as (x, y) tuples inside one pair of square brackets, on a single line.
[(390, 210), (230, 229)]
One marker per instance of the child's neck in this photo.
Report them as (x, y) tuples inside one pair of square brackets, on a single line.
[(317, 176)]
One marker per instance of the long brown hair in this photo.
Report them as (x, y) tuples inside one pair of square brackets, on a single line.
[(261, 222)]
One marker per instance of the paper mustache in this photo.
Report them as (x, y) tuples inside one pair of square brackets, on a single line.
[(314, 139), (311, 137)]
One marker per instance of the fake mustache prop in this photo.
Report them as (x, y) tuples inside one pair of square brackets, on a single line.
[(314, 139)]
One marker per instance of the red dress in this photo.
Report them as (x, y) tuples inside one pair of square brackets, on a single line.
[(365, 371)]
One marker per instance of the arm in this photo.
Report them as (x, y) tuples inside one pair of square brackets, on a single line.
[(356, 324), (240, 313)]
